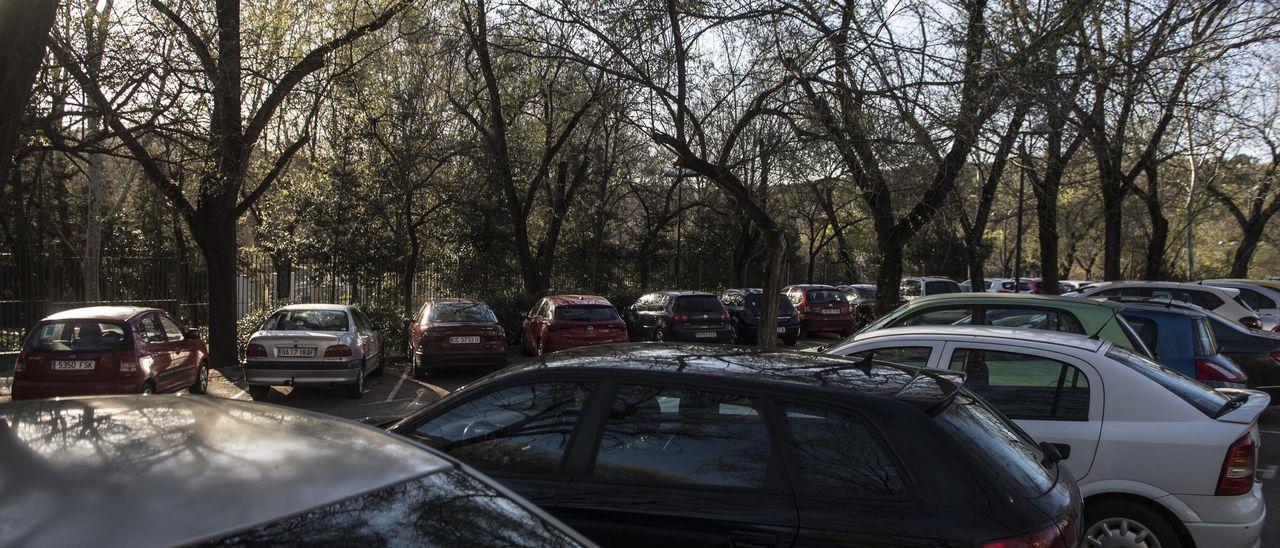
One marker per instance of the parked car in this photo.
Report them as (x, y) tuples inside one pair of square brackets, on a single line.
[(1048, 312), (822, 308), (1183, 340), (569, 321), (1077, 285), (678, 316), (1171, 459), (862, 299), (1223, 300), (456, 332), (110, 350), (703, 445), (916, 287), (743, 306), (1260, 295), (321, 345), (174, 470)]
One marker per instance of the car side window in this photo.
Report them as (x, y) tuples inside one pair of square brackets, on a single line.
[(423, 314), (150, 329), (915, 356), (520, 429), (362, 323), (662, 435), (1033, 318), (541, 310), (838, 454), (939, 316), (1146, 329), (911, 288), (1255, 300), (1023, 386), (171, 329)]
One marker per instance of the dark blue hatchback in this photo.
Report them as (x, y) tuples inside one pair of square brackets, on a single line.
[(1183, 340), (744, 313)]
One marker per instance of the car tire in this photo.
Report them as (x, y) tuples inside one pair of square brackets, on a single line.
[(148, 388), (416, 368), (1133, 523), (259, 392), (355, 390), (201, 384), (790, 341), (659, 334), (526, 346), (541, 350)]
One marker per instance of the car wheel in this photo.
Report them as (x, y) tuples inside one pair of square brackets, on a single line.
[(258, 392), (526, 345), (377, 371), (659, 334), (1127, 525), (201, 384), (416, 367), (541, 350), (148, 389), (356, 389)]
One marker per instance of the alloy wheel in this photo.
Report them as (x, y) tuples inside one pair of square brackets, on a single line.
[(1118, 532)]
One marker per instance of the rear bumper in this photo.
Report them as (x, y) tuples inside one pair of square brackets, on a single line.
[(301, 374), (555, 344), (814, 323), (720, 334), (482, 357), (1229, 522), (33, 390), (751, 331)]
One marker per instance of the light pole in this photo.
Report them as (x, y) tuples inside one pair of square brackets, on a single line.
[(1017, 250), (679, 174)]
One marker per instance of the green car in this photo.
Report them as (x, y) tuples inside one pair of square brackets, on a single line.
[(1090, 317)]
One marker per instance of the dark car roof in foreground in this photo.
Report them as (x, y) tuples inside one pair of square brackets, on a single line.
[(81, 471), (922, 388)]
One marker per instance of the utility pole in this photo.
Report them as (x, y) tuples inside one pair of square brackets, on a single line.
[(1017, 251)]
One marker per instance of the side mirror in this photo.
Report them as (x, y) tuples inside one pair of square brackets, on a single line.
[(192, 334)]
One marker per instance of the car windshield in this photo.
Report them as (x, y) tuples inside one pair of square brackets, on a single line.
[(699, 304), (785, 307), (825, 295), (462, 312), (79, 335), (586, 313), (1207, 400), (997, 442), (307, 320)]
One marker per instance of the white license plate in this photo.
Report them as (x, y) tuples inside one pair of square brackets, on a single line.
[(830, 311), (74, 365), (464, 340), (296, 352), (705, 334), (782, 330)]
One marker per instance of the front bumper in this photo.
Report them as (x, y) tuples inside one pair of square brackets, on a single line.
[(266, 373), (34, 390)]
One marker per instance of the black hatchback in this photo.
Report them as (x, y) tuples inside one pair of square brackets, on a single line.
[(681, 445), (689, 316)]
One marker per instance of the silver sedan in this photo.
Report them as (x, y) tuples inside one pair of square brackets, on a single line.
[(325, 345)]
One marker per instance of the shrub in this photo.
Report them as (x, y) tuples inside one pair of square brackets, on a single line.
[(250, 322), (388, 319)]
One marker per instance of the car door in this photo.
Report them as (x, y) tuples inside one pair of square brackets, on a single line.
[(154, 350), (1055, 397), (181, 372), (518, 432), (534, 322), (369, 338), (633, 317), (678, 465)]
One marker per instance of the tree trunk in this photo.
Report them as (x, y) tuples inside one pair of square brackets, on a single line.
[(24, 28), (1156, 267), (1046, 190), (1112, 221), (410, 270), (93, 228), (888, 276), (283, 265), (217, 242), (777, 248), (1249, 240)]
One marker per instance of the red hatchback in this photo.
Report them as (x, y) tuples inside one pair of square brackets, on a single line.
[(456, 332), (110, 350), (822, 308), (560, 322)]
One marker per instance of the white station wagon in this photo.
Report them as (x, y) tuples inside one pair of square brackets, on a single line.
[(1161, 460)]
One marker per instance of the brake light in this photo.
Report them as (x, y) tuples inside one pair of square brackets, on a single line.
[(724, 316), (255, 351), (1237, 469), (129, 365), (1251, 322), (338, 351), (498, 335), (1275, 355), (1206, 370), (20, 366), (1276, 329), (678, 318), (1049, 537)]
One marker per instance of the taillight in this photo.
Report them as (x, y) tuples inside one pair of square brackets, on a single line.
[(807, 309), (1276, 329), (677, 318), (1208, 371), (1275, 355), (724, 317), (1237, 469), (433, 334), (498, 335), (1049, 537), (338, 351), (255, 351), (1251, 322), (129, 365), (20, 366)]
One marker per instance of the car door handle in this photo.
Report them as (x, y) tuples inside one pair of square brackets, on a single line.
[(752, 539)]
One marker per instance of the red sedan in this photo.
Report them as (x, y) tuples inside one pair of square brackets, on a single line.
[(456, 332)]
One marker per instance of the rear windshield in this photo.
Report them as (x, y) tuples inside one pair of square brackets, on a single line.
[(785, 308), (582, 313), (462, 312), (865, 293), (1202, 339), (1201, 397), (700, 304), (1009, 452), (81, 336), (825, 295), (307, 320), (940, 286)]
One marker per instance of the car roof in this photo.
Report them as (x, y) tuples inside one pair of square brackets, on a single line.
[(685, 293), (925, 389), (811, 286), (82, 471), (1162, 306), (115, 313), (930, 278), (564, 300), (1231, 291), (456, 300), (1269, 284), (990, 332), (743, 290), (1012, 299), (316, 306)]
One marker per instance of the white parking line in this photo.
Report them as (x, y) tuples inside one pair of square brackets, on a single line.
[(241, 395), (1272, 432), (399, 383), (1266, 472)]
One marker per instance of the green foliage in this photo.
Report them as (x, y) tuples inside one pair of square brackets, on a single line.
[(250, 322), (388, 319)]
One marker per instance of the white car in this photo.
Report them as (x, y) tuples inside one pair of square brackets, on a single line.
[(1263, 297), (1223, 300), (326, 345), (1171, 459), (913, 287)]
